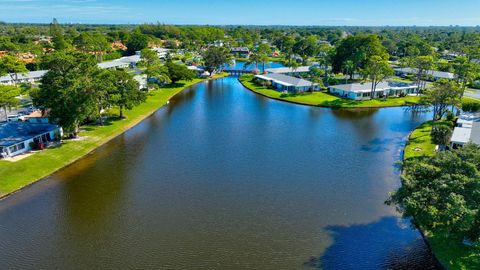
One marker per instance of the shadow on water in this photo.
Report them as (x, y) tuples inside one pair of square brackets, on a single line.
[(385, 244)]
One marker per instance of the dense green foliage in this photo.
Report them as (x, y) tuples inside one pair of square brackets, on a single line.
[(442, 193)]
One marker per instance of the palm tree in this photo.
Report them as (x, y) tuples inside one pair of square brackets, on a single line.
[(348, 67)]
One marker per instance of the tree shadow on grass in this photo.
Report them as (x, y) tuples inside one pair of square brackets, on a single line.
[(388, 243)]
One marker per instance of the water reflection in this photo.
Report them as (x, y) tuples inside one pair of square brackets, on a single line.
[(385, 244)]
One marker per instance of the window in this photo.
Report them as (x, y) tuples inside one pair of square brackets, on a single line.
[(17, 147)]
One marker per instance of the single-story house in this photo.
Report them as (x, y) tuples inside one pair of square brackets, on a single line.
[(142, 81), (198, 70), (161, 52), (362, 91), (288, 83), (434, 74), (467, 130), (124, 62), (240, 52), (17, 137), (289, 70), (27, 77)]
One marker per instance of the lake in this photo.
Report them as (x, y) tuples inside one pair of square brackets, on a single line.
[(222, 178)]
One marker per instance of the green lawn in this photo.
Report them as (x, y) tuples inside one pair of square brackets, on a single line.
[(324, 99), (420, 142), (15, 175)]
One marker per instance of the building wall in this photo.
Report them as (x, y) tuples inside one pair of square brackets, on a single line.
[(19, 149)]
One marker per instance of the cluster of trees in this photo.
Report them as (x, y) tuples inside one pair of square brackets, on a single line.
[(442, 195), (75, 90)]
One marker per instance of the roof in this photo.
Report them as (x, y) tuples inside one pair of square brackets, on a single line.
[(434, 73), (127, 60), (15, 132), (281, 70), (367, 87), (240, 49), (22, 76), (461, 135), (468, 129), (285, 80)]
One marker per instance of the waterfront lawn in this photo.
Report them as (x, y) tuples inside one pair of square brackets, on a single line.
[(323, 99), (420, 141), (15, 175)]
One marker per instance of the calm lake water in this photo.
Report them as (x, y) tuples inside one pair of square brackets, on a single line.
[(225, 179)]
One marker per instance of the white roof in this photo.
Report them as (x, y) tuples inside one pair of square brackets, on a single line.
[(121, 62), (461, 135), (434, 73), (24, 76), (281, 70), (285, 80)]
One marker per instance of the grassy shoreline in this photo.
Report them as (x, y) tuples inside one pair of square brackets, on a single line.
[(450, 253), (322, 99), (20, 174)]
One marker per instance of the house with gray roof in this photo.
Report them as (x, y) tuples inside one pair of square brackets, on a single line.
[(18, 137), (362, 91), (287, 83)]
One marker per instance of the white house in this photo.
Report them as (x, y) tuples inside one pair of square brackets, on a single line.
[(161, 52), (289, 70), (27, 77), (288, 83), (362, 91), (17, 137), (124, 62), (467, 130), (434, 74)]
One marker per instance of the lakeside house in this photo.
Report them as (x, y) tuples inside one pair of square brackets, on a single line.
[(20, 137), (467, 130), (27, 77), (287, 83), (303, 70), (362, 91), (434, 74), (243, 52)]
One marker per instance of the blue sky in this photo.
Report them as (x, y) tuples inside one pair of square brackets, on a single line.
[(258, 12)]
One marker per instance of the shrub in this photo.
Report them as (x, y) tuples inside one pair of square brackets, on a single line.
[(469, 106), (450, 116), (441, 134)]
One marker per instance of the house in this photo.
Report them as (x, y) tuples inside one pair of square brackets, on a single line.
[(20, 137), (243, 52), (142, 81), (467, 130), (299, 71), (124, 62), (287, 83), (161, 52), (27, 77), (362, 91), (198, 70), (435, 75)]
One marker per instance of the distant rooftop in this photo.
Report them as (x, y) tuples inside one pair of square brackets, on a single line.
[(285, 80), (281, 70), (434, 73), (23, 76)]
